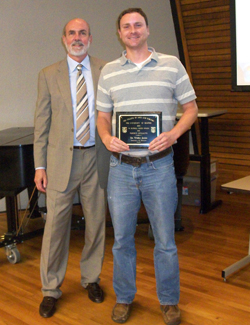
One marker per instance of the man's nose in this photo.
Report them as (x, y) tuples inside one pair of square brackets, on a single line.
[(77, 36)]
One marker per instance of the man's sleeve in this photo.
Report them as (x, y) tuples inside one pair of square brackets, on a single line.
[(42, 122), (104, 101), (184, 91)]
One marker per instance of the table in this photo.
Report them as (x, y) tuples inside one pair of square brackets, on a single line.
[(241, 185), (204, 156)]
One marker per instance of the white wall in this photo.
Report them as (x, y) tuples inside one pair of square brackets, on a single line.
[(31, 39)]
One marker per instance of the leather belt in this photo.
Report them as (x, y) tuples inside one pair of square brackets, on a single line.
[(137, 161), (83, 148)]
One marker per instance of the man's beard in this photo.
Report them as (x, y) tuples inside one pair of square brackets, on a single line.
[(74, 52)]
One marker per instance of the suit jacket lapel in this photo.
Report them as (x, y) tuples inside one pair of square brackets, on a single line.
[(64, 84), (95, 71)]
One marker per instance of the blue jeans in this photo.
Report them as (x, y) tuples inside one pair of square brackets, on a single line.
[(155, 184)]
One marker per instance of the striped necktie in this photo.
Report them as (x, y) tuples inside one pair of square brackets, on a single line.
[(82, 108)]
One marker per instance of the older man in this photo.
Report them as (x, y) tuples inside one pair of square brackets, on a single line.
[(70, 158)]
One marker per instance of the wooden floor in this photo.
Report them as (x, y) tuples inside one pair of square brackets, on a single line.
[(208, 244)]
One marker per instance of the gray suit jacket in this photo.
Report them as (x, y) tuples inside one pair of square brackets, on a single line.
[(54, 130)]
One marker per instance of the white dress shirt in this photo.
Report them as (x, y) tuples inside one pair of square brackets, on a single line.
[(86, 71)]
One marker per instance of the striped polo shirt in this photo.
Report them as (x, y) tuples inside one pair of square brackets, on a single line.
[(158, 85)]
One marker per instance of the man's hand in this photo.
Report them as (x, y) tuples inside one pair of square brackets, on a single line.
[(104, 128), (114, 144), (41, 180), (162, 142), (167, 139)]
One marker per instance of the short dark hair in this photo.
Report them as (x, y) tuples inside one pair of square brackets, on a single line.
[(130, 11)]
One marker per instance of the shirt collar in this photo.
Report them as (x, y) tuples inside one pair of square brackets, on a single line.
[(125, 60), (73, 64)]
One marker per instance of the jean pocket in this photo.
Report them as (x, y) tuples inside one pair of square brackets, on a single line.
[(163, 163), (113, 161)]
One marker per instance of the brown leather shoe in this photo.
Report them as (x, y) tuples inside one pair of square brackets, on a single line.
[(95, 292), (47, 307), (171, 314), (121, 313)]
